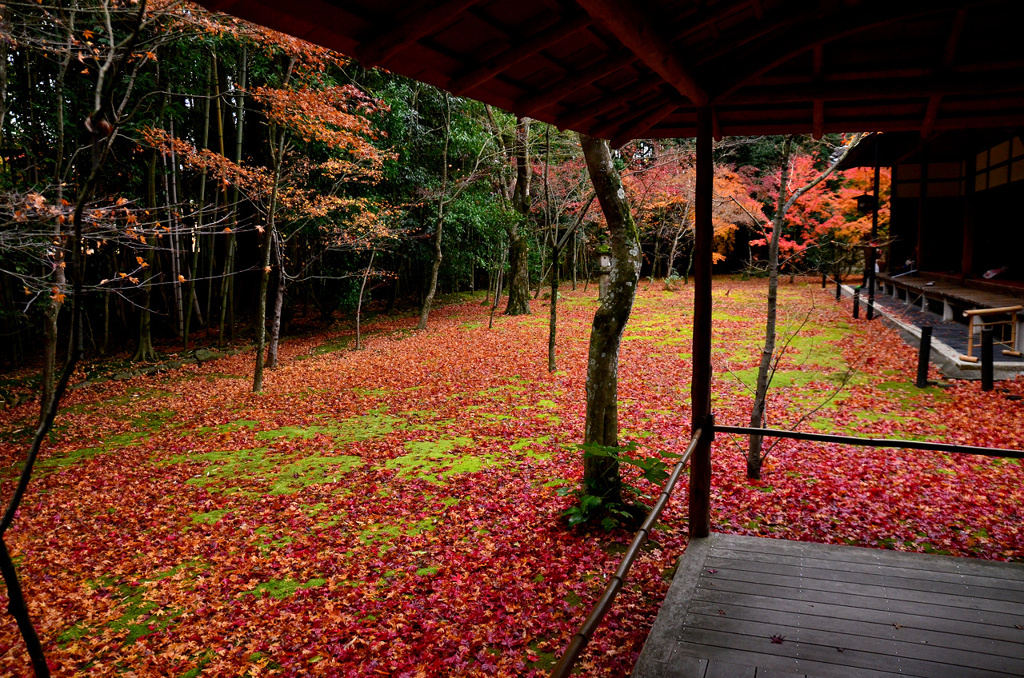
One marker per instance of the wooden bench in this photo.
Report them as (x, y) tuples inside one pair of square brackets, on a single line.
[(980, 318), (980, 307)]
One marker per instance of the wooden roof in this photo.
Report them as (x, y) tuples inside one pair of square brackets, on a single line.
[(623, 69)]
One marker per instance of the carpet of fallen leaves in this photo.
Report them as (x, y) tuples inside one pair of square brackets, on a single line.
[(393, 511)]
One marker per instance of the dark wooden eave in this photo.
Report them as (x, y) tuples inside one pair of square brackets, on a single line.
[(623, 69)]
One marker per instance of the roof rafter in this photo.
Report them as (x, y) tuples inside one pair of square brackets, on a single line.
[(524, 50), (425, 19), (818, 28), (566, 86), (948, 55), (629, 22)]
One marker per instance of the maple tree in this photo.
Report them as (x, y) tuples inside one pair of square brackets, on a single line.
[(786, 198)]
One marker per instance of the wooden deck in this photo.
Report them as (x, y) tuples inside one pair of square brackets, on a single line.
[(834, 611)]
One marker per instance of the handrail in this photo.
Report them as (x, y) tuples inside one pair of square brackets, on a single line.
[(871, 442), (579, 641)]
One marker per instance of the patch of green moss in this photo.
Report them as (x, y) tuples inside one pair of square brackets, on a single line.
[(332, 346), (426, 571), (282, 588), (112, 442), (210, 517), (381, 533), (285, 477), (141, 617), (524, 445), (269, 544), (230, 426), (373, 424), (435, 460), (905, 389)]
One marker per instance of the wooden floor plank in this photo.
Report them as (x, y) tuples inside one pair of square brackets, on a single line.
[(883, 576), (933, 563), (979, 633), (840, 612), (747, 656), (842, 641), (793, 583), (970, 615), (749, 559)]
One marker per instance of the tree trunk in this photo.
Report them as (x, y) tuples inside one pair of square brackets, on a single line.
[(275, 322), (144, 351), (269, 238), (754, 458), (601, 474), (519, 246), (428, 300), (553, 322), (359, 305)]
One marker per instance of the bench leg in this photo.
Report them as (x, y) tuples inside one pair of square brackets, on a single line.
[(924, 303)]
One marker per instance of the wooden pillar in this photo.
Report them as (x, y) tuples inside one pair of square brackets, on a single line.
[(921, 200), (700, 385), (967, 256)]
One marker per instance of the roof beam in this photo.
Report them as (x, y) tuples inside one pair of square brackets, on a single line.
[(800, 34), (948, 55), (609, 101), (566, 86), (818, 108), (505, 60), (892, 88), (643, 124), (425, 19), (629, 22)]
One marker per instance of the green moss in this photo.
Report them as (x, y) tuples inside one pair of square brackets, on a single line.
[(230, 426), (383, 533), (266, 532), (545, 661), (332, 346), (436, 460), (210, 517), (426, 571), (283, 588), (373, 424), (313, 470), (285, 477), (525, 443)]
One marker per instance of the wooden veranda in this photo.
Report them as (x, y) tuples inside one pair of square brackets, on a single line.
[(621, 69), (741, 607)]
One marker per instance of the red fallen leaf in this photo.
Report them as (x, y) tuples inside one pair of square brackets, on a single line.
[(777, 639)]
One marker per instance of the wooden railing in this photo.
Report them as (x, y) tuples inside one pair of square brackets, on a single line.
[(579, 641)]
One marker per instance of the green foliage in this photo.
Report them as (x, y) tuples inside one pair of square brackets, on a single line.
[(610, 512)]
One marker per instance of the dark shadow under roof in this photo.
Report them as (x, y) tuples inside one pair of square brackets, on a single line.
[(621, 70)]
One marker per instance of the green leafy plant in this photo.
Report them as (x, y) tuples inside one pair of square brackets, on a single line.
[(616, 509)]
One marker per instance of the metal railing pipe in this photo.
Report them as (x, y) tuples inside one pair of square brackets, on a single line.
[(872, 442), (580, 639)]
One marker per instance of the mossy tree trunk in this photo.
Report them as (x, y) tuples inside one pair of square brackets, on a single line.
[(519, 246), (601, 474)]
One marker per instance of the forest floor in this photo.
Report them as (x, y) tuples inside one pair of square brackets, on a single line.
[(394, 511)]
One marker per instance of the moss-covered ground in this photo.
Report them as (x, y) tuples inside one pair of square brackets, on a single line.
[(395, 510)]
